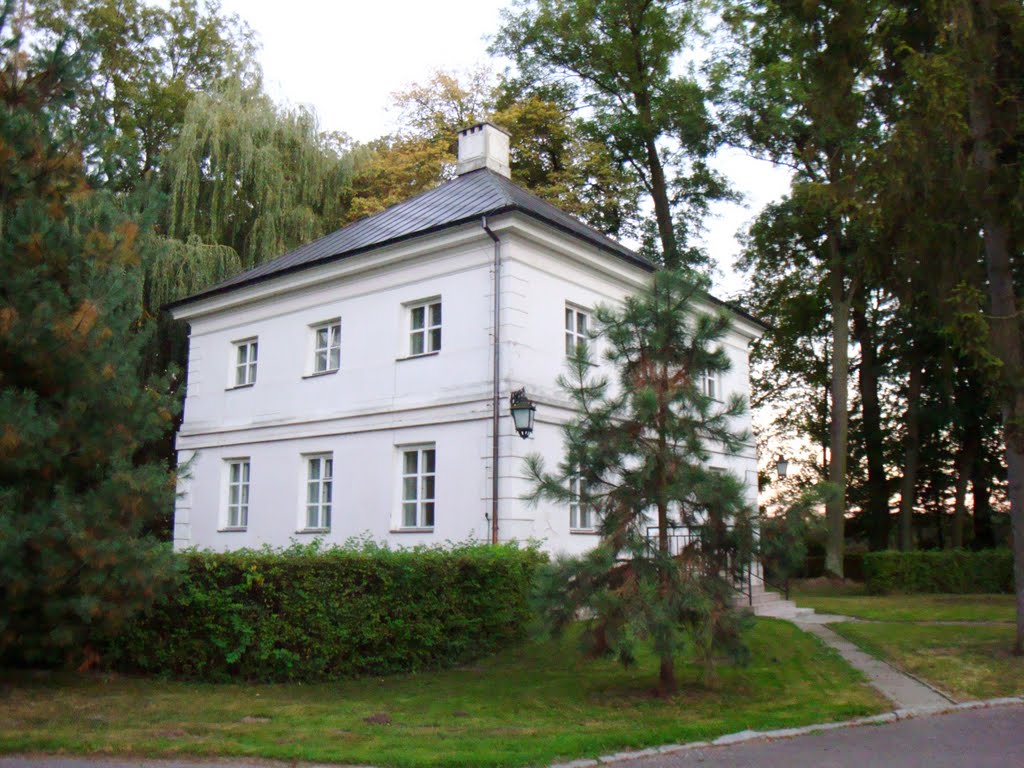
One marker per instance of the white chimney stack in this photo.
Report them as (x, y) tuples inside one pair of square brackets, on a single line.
[(483, 145)]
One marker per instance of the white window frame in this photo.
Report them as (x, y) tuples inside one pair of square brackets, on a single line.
[(246, 357), (710, 385), (575, 336), (430, 334), (331, 350), (417, 488), (582, 519), (318, 491), (238, 478)]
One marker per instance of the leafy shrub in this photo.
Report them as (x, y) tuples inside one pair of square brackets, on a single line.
[(306, 614), (955, 571)]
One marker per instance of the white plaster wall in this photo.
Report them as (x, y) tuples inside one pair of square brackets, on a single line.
[(378, 399), (542, 281), (376, 374), (366, 490)]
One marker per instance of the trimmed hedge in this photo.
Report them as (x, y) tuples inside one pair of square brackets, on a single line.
[(953, 571), (305, 614)]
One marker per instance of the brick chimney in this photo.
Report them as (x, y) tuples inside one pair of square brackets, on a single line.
[(483, 145)]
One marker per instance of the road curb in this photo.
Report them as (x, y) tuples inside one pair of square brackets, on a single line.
[(742, 737)]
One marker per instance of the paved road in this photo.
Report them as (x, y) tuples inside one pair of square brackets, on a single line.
[(979, 738)]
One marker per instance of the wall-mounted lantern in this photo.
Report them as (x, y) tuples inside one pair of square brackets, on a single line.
[(522, 412), (782, 467)]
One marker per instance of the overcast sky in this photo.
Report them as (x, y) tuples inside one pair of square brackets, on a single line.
[(345, 58)]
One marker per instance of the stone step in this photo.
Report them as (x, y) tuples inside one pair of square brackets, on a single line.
[(783, 609)]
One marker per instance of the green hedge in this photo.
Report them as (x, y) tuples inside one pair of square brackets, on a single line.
[(953, 571), (305, 614)]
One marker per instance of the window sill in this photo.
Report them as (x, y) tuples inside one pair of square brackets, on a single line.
[(584, 532), (417, 357), (233, 529), (313, 530), (318, 374), (411, 530), (240, 386)]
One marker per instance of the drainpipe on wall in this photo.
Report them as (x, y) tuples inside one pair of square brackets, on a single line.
[(495, 391)]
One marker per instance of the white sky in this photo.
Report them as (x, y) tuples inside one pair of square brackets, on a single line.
[(345, 58)]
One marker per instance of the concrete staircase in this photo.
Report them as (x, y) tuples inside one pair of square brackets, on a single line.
[(769, 603)]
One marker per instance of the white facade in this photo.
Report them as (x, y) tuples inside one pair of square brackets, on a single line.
[(382, 401)]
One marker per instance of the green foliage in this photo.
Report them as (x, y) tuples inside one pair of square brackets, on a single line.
[(145, 63), (955, 571), (782, 542), (618, 57), (553, 152), (74, 410), (311, 614), (641, 450), (248, 174)]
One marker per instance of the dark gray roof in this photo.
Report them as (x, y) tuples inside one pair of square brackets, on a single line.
[(462, 200)]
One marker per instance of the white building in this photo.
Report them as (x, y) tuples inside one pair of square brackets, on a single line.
[(351, 387)]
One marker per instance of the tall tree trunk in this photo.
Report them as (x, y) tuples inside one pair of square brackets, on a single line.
[(965, 461), (835, 509), (992, 39), (911, 453), (877, 486), (981, 501), (662, 208), (659, 185)]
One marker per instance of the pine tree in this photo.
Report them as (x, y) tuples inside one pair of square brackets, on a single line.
[(74, 560), (674, 532)]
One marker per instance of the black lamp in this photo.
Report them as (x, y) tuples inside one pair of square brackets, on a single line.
[(782, 467), (522, 412)]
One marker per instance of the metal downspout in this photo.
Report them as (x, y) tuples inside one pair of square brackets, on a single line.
[(496, 384)]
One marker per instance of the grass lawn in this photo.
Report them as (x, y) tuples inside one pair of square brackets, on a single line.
[(913, 607), (967, 662), (531, 705)]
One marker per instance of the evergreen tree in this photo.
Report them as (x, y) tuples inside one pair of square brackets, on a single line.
[(674, 532), (74, 560)]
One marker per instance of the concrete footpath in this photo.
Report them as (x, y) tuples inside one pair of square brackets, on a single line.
[(901, 689)]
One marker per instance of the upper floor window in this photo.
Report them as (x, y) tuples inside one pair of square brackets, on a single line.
[(238, 493), (581, 516), (425, 327), (245, 362), (419, 472), (576, 323), (710, 384), (319, 490), (327, 346)]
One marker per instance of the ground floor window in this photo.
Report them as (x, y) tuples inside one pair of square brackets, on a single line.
[(581, 516), (238, 493), (319, 488), (419, 471)]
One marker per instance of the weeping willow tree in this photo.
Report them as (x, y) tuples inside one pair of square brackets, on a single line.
[(252, 176)]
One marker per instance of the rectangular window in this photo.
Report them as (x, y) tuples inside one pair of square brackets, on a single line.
[(710, 385), (319, 488), (245, 362), (576, 322), (581, 517), (418, 479), (424, 328), (327, 347), (238, 493)]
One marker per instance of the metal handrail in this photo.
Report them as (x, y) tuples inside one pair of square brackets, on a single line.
[(745, 585)]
